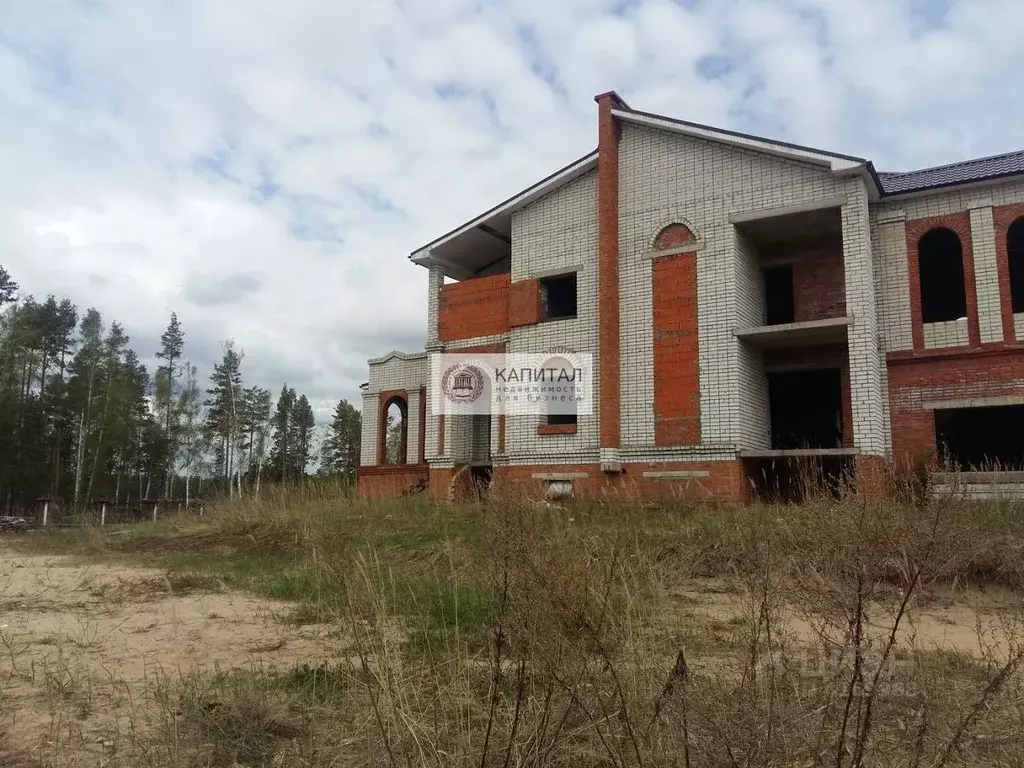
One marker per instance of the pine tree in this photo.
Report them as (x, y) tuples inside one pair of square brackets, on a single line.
[(8, 288), (172, 344), (303, 425), (257, 427), (283, 453), (342, 444), (223, 415)]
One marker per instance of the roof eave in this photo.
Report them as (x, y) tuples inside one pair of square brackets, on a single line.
[(424, 255)]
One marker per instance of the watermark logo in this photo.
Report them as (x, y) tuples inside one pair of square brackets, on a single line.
[(512, 383), (463, 384)]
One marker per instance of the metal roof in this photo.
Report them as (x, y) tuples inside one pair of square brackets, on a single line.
[(966, 172)]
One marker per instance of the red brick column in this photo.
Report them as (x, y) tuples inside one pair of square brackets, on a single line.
[(608, 268)]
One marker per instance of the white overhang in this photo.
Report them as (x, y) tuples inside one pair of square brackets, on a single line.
[(485, 241)]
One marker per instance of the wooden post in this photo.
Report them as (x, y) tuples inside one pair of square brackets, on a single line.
[(44, 514), (156, 506)]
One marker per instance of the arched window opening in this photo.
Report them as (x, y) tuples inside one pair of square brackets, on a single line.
[(395, 437), (562, 398), (941, 269), (674, 236), (1015, 255)]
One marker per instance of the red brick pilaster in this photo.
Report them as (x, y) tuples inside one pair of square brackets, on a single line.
[(1003, 216), (961, 224), (608, 267)]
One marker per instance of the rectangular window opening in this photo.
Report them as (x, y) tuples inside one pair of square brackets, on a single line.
[(562, 419), (558, 296), (778, 295), (981, 439)]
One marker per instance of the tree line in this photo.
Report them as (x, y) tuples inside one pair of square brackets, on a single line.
[(82, 418)]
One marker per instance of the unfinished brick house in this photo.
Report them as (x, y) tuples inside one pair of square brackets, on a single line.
[(748, 303)]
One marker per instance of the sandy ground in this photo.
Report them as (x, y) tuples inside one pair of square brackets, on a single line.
[(83, 646)]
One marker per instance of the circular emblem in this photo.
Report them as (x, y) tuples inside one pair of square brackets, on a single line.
[(463, 383)]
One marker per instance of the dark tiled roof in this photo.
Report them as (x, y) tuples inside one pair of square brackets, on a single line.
[(956, 173)]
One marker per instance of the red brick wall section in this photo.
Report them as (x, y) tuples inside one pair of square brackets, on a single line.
[(477, 307), (674, 236), (608, 359), (726, 481), (916, 380), (676, 359), (391, 481), (1004, 216), (819, 284), (524, 303), (961, 224)]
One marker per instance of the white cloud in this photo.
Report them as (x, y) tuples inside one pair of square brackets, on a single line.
[(264, 168)]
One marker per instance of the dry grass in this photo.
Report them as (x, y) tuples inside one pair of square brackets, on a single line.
[(512, 634)]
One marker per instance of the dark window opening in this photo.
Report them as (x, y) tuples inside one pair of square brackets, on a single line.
[(981, 438), (558, 296), (1015, 255), (941, 269), (791, 480), (562, 419), (778, 295), (806, 409)]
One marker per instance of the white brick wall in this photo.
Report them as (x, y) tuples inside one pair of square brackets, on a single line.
[(666, 177), (986, 275), (951, 333), (887, 219), (368, 444), (868, 378), (408, 372), (754, 422), (894, 312), (557, 232)]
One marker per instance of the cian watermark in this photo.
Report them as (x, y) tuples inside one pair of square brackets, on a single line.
[(514, 383)]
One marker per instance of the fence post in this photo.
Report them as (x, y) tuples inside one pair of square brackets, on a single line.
[(156, 506), (43, 515)]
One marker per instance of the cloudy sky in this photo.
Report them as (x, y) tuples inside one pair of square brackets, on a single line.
[(264, 167)]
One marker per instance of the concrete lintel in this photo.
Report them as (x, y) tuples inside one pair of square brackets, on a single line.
[(560, 476), (688, 474), (553, 271), (795, 453), (973, 402), (811, 332), (787, 210), (657, 253)]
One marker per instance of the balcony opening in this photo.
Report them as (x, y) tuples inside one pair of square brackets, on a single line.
[(778, 295), (558, 297), (981, 439), (806, 409), (941, 269)]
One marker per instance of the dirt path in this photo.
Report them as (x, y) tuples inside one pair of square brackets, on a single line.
[(83, 647)]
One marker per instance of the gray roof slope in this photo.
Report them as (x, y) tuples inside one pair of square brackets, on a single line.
[(982, 169)]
